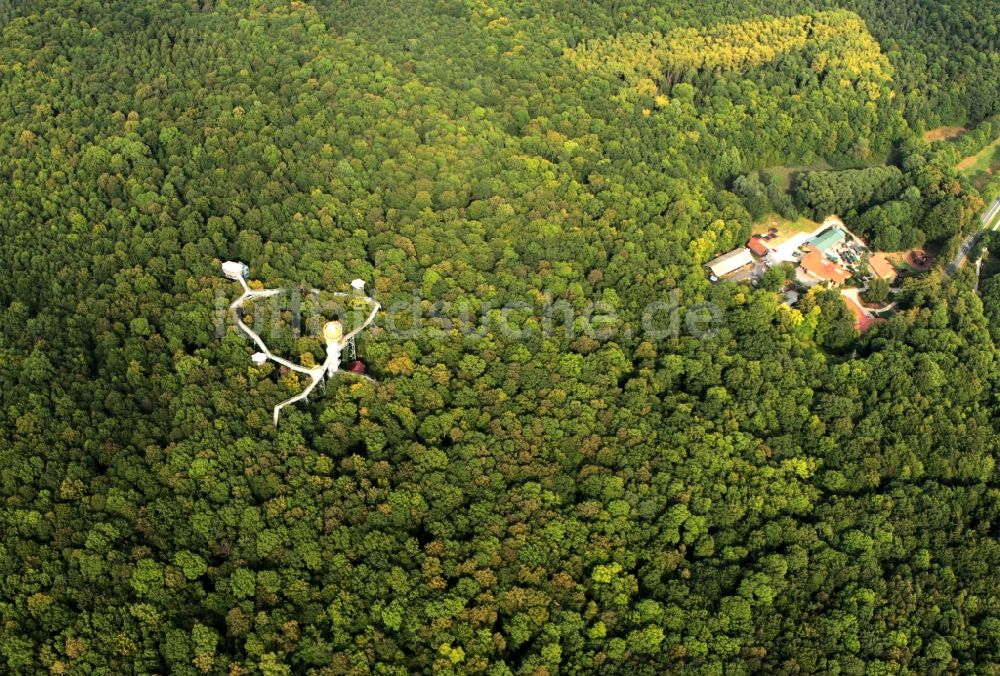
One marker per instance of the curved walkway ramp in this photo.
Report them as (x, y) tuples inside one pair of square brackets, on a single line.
[(316, 374)]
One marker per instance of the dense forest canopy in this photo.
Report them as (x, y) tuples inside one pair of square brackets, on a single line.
[(775, 494), (838, 43)]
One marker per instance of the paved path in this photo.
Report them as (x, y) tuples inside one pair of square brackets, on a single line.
[(785, 252), (855, 295)]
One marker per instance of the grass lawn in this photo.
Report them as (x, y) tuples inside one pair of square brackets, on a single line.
[(901, 260), (785, 227), (943, 133), (980, 167)]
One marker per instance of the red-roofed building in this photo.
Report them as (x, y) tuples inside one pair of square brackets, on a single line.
[(881, 267), (756, 244), (816, 264)]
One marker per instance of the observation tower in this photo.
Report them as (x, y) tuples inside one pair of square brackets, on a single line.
[(333, 333)]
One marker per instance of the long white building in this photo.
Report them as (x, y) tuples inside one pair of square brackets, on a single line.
[(728, 262)]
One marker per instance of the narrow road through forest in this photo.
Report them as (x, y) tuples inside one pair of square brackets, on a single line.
[(971, 240)]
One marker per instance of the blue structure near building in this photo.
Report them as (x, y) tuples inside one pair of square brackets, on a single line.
[(827, 239)]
